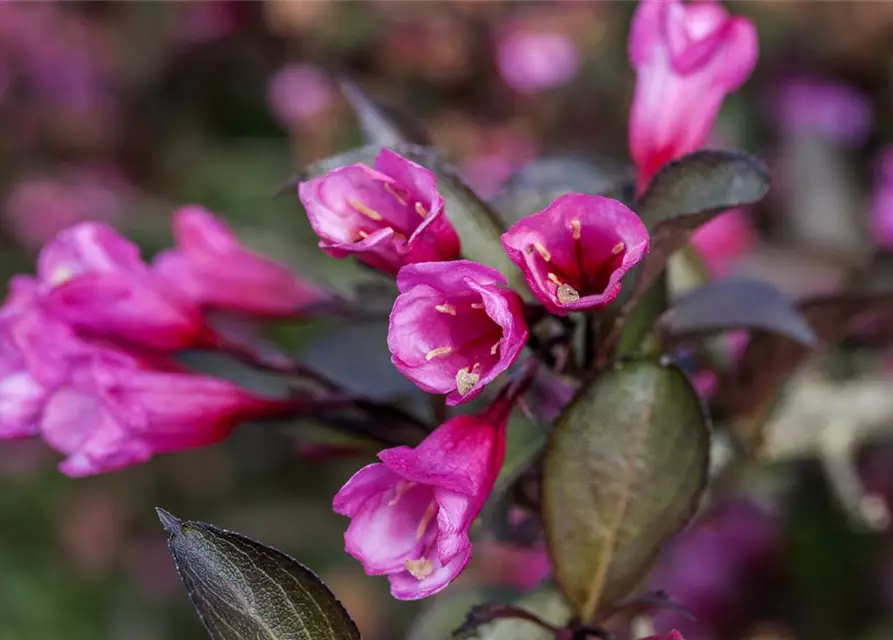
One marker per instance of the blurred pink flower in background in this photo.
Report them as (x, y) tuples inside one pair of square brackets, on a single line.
[(722, 242), (880, 215), (206, 20), (211, 267), (503, 151), (299, 92), (530, 61), (39, 207), (507, 565), (831, 109), (688, 57)]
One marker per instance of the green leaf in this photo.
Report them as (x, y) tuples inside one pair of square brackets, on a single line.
[(546, 604), (538, 183), (625, 469), (735, 304), (702, 182), (478, 226), (382, 124), (244, 590)]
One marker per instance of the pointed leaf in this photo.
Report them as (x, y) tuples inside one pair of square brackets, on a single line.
[(625, 469), (382, 124), (244, 590), (538, 183), (736, 304), (478, 226), (701, 182)]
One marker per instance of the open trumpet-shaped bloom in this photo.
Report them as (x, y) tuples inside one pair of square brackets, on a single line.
[(212, 267), (688, 57), (387, 217), (575, 252), (93, 279), (411, 512), (454, 327)]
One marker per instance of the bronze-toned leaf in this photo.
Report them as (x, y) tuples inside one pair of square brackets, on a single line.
[(736, 304), (382, 124), (625, 470), (244, 590)]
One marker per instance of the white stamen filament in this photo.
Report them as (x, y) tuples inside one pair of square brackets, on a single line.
[(439, 351), (446, 308), (430, 512), (370, 213)]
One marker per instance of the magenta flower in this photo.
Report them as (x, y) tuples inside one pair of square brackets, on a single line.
[(411, 512), (94, 279), (575, 252), (211, 267), (455, 327), (531, 61), (687, 58), (112, 416), (298, 93), (388, 216), (21, 396)]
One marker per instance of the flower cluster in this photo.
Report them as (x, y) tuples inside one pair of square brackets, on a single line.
[(87, 346)]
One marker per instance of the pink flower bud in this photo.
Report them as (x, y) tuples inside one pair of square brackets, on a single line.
[(388, 216), (210, 266), (455, 327), (112, 416), (411, 513), (575, 252), (94, 279), (688, 57)]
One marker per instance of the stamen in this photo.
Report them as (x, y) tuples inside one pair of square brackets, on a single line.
[(567, 293), (363, 235), (419, 209), (419, 569), (543, 251), (430, 512), (466, 379), (399, 490), (439, 351), (618, 248), (576, 229), (495, 348), (553, 278), (477, 305), (446, 308), (363, 209), (390, 190)]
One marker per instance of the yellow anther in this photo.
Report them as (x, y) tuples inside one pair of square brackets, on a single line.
[(495, 348), (576, 229), (61, 275), (363, 235), (553, 278), (618, 248), (370, 213), (477, 305), (446, 308), (396, 195), (430, 512), (540, 249), (419, 209), (439, 351), (466, 379), (399, 491), (419, 569)]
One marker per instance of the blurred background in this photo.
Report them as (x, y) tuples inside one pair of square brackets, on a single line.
[(121, 111)]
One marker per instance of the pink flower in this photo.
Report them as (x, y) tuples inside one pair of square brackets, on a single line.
[(211, 267), (21, 396), (455, 327), (388, 216), (575, 252), (531, 61), (112, 416), (880, 216), (411, 513), (94, 279), (673, 635), (298, 93), (835, 110), (687, 58), (723, 241)]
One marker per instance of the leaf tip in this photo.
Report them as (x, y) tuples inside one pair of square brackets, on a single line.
[(171, 523)]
